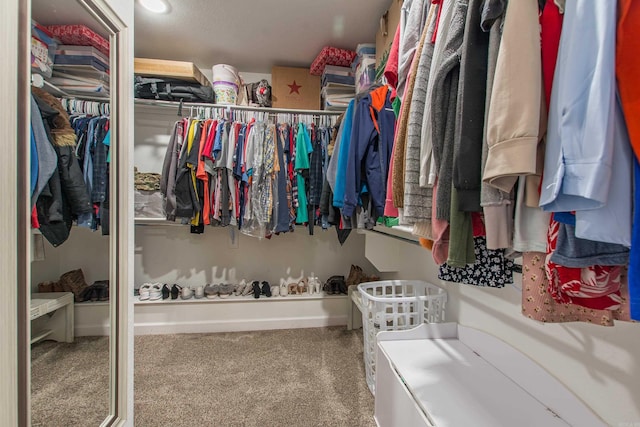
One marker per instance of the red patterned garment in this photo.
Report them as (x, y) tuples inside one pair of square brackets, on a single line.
[(537, 303), (596, 287)]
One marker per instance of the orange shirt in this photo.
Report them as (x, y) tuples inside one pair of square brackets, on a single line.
[(628, 67)]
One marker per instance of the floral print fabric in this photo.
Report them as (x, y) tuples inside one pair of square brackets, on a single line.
[(491, 269)]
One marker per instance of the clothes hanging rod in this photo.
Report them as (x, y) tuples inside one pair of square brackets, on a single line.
[(176, 104)]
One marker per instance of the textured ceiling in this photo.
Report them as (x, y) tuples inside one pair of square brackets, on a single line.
[(251, 35), (255, 35)]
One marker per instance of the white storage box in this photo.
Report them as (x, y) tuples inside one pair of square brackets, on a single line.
[(148, 204), (392, 305), (449, 375)]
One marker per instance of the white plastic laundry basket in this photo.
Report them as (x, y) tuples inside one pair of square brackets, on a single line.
[(396, 305)]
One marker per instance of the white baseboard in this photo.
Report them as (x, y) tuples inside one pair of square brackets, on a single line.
[(236, 325), (91, 319), (92, 330), (206, 316)]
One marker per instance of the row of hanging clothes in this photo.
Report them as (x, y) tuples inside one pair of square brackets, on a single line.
[(258, 171), (69, 165), (512, 141)]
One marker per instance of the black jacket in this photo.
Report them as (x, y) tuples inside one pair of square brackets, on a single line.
[(65, 195)]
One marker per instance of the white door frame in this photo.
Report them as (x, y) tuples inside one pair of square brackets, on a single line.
[(12, 18)]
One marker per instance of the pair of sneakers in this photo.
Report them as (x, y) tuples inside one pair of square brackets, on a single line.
[(150, 292), (243, 288), (222, 290), (187, 292), (197, 292), (314, 286)]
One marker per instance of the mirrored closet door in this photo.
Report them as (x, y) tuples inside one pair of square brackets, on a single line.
[(77, 333)]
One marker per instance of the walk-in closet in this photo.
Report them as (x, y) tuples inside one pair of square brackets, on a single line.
[(367, 213)]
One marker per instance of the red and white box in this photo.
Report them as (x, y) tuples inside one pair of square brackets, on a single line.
[(331, 56), (79, 35)]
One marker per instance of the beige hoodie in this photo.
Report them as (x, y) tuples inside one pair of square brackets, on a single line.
[(514, 113)]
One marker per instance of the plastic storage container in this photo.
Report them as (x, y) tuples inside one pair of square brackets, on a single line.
[(226, 84), (396, 305)]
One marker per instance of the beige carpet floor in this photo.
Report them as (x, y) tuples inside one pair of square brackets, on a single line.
[(70, 382), (299, 378)]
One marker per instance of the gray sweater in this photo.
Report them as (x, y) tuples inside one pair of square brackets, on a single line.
[(471, 109), (410, 35), (444, 108), (417, 200), (169, 171)]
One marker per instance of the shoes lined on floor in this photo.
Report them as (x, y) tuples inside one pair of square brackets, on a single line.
[(226, 289), (275, 290), (150, 292), (175, 291), (256, 289), (266, 289), (199, 292), (284, 291), (187, 292), (248, 289), (211, 291), (240, 287), (98, 291), (335, 285)]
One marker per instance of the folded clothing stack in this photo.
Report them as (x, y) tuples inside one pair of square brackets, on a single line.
[(81, 70), (338, 87), (81, 65)]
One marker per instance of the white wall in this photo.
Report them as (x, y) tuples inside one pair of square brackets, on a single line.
[(599, 364), (170, 254), (84, 249)]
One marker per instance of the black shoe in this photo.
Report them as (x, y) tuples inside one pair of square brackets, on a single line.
[(342, 287), (101, 290), (165, 292), (95, 293), (266, 288), (256, 289), (86, 294), (175, 291)]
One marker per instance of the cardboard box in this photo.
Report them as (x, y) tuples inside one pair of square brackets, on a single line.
[(388, 24), (169, 69), (295, 88)]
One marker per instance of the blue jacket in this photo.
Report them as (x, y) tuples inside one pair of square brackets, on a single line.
[(370, 151), (343, 156)]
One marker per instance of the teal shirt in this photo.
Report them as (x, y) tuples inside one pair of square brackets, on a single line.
[(303, 149)]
